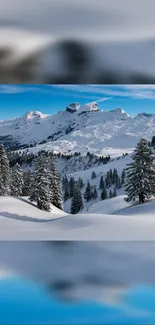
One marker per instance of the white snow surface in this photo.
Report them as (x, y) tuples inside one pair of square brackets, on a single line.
[(113, 219), (101, 132)]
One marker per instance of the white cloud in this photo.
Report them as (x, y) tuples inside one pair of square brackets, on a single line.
[(98, 93), (131, 91)]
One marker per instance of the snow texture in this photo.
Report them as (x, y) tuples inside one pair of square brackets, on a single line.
[(20, 220)]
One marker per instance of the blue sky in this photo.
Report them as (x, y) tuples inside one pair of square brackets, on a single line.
[(16, 100)]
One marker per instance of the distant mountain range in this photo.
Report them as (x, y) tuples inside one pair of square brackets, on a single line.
[(78, 128)]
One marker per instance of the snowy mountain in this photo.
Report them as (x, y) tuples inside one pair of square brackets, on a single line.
[(78, 129)]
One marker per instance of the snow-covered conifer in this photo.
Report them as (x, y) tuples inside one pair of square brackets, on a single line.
[(40, 191), (4, 172), (17, 182), (101, 182), (55, 187), (87, 194), (71, 186), (114, 192), (104, 194), (140, 173), (123, 177), (27, 183), (108, 180), (80, 182), (66, 194), (93, 175), (77, 203)]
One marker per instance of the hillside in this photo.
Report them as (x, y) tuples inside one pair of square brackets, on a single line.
[(20, 220)]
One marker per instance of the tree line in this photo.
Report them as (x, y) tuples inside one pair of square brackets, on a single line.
[(41, 185), (73, 188)]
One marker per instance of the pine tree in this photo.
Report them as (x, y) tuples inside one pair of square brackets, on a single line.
[(93, 175), (80, 182), (108, 181), (66, 194), (101, 182), (55, 188), (87, 194), (110, 194), (27, 183), (140, 174), (111, 175), (115, 176), (153, 141), (114, 193), (71, 186), (40, 191), (77, 203), (104, 194), (64, 182), (17, 181), (4, 172), (123, 177), (118, 183)]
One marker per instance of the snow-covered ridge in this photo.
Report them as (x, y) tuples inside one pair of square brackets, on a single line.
[(34, 114), (79, 128)]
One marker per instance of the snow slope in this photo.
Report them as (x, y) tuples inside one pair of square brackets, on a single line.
[(20, 220), (85, 129)]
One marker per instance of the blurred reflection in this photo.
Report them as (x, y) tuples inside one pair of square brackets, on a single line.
[(77, 42), (77, 282)]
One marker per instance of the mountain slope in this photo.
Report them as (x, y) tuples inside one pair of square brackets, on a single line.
[(79, 128)]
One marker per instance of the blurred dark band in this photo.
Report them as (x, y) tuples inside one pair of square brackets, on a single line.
[(68, 62), (68, 42)]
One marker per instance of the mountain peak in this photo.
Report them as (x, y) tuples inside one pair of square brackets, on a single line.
[(73, 107), (90, 107), (33, 114), (119, 111)]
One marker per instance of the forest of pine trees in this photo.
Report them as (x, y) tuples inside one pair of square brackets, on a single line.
[(41, 181), (42, 184)]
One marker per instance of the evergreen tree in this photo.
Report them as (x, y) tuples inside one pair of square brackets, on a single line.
[(114, 193), (71, 186), (55, 188), (17, 182), (93, 175), (104, 194), (153, 141), (108, 181), (77, 203), (110, 194), (64, 182), (4, 172), (40, 191), (94, 193), (80, 182), (123, 177), (66, 194), (115, 176), (140, 174), (87, 194), (118, 183), (101, 182), (27, 183), (111, 175)]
